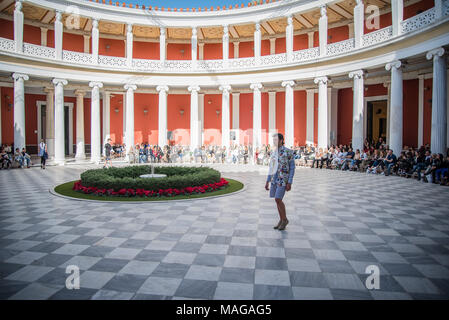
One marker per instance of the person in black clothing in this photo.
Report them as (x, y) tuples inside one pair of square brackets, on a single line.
[(107, 153)]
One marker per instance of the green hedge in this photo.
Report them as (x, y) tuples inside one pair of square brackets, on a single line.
[(128, 177)]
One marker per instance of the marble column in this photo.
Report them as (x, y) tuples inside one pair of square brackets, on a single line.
[(162, 128), (95, 40), (272, 45), (80, 153), (201, 117), (289, 38), (310, 114), (201, 51), (50, 121), (194, 46), (322, 27), (225, 117), (310, 39), (271, 114), (19, 110), (59, 121), (357, 110), (95, 136), (332, 107), (257, 115), (18, 26), (323, 134), (86, 45), (289, 114), (44, 32), (162, 44), (129, 44), (397, 15), (236, 116), (396, 107), (257, 42), (359, 19), (106, 116), (236, 49), (194, 117), (439, 101), (225, 44), (129, 136), (58, 34)]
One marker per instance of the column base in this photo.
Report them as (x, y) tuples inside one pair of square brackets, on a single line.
[(80, 157)]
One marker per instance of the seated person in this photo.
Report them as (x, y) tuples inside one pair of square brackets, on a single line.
[(5, 160), (389, 161)]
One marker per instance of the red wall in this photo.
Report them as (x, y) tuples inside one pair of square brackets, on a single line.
[(146, 125), (280, 112), (414, 9), (300, 42), (31, 34), (116, 118), (246, 49), (410, 125), (6, 29), (212, 51), (265, 116), (116, 47), (338, 34), (179, 124), (246, 118), (7, 115), (146, 50), (300, 115), (73, 42), (174, 51), (212, 121), (427, 117), (265, 47)]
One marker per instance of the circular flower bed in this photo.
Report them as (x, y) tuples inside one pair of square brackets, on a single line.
[(126, 182)]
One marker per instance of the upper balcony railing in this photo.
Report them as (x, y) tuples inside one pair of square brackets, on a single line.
[(384, 35)]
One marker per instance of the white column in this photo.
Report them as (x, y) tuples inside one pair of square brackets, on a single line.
[(70, 121), (322, 29), (289, 114), (310, 114), (19, 110), (129, 44), (162, 129), (86, 43), (194, 117), (272, 45), (162, 45), (225, 116), (201, 51), (351, 30), (357, 110), (257, 42), (271, 112), (95, 137), (95, 40), (323, 134), (18, 26), (396, 108), (106, 116), (50, 121), (80, 149), (44, 32), (420, 110), (257, 115), (359, 18), (59, 120), (201, 117), (236, 49), (397, 15), (194, 46), (310, 39), (439, 8), (332, 107), (58, 34), (439, 101), (124, 116), (289, 38), (236, 115), (388, 86), (129, 136), (225, 44)]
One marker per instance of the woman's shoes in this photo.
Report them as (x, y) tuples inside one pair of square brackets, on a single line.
[(278, 225), (283, 224)]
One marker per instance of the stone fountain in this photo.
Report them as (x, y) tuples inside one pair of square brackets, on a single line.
[(152, 174)]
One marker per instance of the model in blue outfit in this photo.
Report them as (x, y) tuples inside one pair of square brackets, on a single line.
[(280, 176)]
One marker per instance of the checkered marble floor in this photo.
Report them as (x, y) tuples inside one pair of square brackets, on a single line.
[(226, 248)]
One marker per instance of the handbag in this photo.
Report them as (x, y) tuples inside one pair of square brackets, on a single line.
[(45, 155)]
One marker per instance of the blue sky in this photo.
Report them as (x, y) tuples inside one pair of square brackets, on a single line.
[(188, 4)]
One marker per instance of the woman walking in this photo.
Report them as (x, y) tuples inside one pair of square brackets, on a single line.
[(43, 153)]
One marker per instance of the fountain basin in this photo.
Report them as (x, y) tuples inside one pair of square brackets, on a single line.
[(153, 175)]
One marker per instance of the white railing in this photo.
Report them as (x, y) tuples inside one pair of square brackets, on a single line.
[(343, 47)]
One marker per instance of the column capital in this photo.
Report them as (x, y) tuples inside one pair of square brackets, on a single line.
[(57, 81), (386, 84), (162, 88), (236, 94), (255, 86), (96, 84), (358, 74), (130, 86), (17, 76), (162, 31), (201, 44), (358, 2), (80, 93), (194, 32), (129, 28), (18, 5), (95, 23), (393, 64), (289, 20), (49, 90), (323, 11), (193, 88), (321, 80), (225, 29), (271, 93), (438, 52), (257, 26), (289, 83), (225, 88), (58, 16)]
